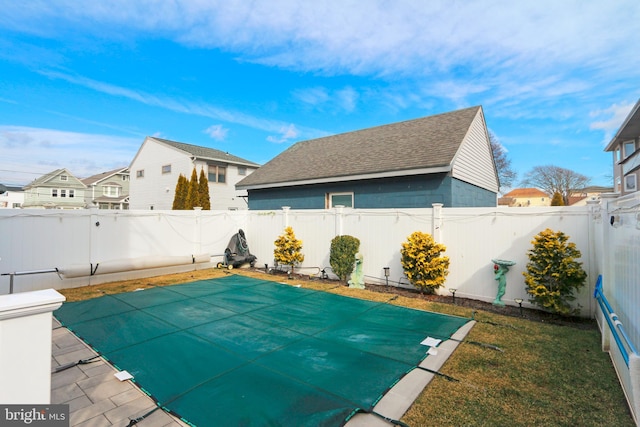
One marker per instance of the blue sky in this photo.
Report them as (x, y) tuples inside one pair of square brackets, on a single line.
[(81, 86)]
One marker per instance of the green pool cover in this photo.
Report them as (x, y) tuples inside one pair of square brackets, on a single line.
[(239, 351)]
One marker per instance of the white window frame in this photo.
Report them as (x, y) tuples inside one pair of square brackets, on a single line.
[(215, 171), (140, 173), (166, 169), (54, 192), (63, 192), (242, 170), (111, 191), (331, 195), (72, 193), (630, 183), (64, 178)]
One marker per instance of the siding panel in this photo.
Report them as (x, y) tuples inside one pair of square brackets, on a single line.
[(474, 161)]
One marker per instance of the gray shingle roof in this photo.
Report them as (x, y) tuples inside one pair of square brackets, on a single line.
[(206, 153), (425, 143)]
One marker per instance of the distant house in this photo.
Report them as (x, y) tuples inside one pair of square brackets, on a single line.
[(525, 197), (108, 190), (444, 158), (625, 147), (581, 197), (158, 163), (11, 198), (56, 190)]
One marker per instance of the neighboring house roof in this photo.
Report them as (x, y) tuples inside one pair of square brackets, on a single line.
[(572, 200), (525, 192), (44, 180), (95, 179), (593, 189), (420, 146), (205, 152), (630, 129)]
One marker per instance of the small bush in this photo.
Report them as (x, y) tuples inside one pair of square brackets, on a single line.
[(342, 255), (422, 263), (288, 249), (552, 273)]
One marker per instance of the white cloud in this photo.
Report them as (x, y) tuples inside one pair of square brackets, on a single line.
[(287, 133), (180, 106), (390, 37), (217, 132), (28, 153), (610, 119)]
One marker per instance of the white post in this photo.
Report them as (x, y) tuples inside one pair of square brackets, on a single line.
[(285, 209), (437, 222), (197, 238), (25, 346), (339, 220)]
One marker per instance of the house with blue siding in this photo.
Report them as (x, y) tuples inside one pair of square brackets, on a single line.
[(445, 158)]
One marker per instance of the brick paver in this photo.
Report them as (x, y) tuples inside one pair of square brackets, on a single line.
[(96, 398)]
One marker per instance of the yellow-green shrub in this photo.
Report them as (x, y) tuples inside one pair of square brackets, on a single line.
[(422, 262), (288, 249), (552, 273)]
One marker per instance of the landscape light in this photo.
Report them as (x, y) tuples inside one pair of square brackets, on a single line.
[(386, 275), (453, 292), (519, 301)]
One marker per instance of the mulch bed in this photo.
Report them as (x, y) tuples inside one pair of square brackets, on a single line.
[(525, 313)]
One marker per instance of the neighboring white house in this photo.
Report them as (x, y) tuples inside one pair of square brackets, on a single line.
[(108, 190), (56, 190), (11, 198), (158, 163)]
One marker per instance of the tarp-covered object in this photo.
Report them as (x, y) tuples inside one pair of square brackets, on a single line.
[(237, 251)]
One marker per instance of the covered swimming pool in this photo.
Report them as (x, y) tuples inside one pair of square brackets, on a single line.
[(243, 351)]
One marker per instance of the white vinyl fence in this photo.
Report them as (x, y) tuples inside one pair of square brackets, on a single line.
[(84, 240), (160, 242)]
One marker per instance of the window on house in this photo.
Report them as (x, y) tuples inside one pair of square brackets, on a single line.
[(64, 178), (54, 192), (217, 174), (166, 169), (72, 193), (616, 155), (16, 205), (629, 148), (242, 170), (140, 173), (63, 193), (111, 191), (630, 183), (339, 199)]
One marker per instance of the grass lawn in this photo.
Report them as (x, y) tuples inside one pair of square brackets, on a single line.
[(547, 375)]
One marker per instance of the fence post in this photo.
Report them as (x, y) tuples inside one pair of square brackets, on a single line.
[(339, 220), (436, 223), (25, 339), (197, 240), (285, 210)]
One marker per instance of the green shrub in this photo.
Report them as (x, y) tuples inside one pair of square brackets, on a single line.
[(422, 263), (342, 255), (552, 273), (288, 249)]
